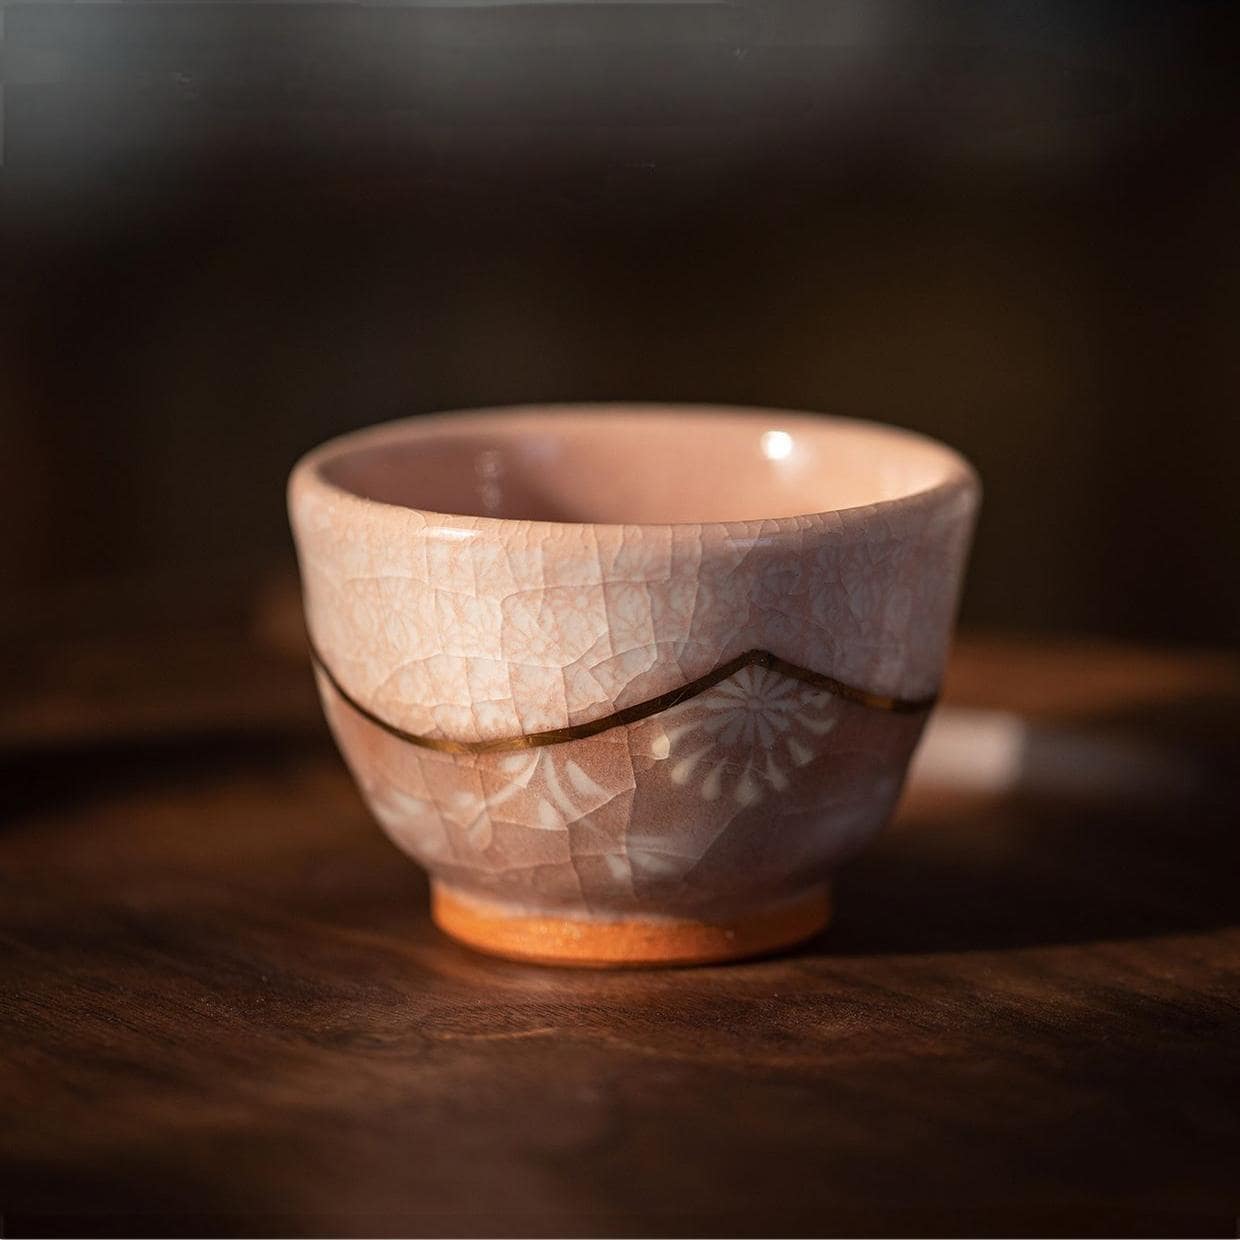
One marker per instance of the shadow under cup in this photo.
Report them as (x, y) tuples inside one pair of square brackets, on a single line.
[(630, 682)]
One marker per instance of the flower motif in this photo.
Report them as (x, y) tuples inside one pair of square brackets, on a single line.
[(751, 731), (566, 795)]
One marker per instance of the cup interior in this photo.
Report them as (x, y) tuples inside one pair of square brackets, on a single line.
[(635, 464)]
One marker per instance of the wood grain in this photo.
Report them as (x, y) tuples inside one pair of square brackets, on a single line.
[(223, 1009)]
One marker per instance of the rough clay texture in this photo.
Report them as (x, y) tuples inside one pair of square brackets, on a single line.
[(476, 628)]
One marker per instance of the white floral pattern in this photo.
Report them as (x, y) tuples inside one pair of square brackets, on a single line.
[(567, 791), (744, 737), (738, 742), (746, 744)]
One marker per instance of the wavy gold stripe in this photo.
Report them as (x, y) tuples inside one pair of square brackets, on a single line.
[(632, 714)]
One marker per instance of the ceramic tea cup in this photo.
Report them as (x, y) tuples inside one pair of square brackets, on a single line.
[(630, 682)]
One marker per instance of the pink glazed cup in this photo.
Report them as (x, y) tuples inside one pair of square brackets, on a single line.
[(630, 682)]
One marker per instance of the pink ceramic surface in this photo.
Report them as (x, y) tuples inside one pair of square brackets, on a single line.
[(610, 664)]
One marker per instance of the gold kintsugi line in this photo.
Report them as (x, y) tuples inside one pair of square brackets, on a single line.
[(639, 711)]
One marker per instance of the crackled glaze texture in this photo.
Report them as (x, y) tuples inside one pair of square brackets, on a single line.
[(471, 580)]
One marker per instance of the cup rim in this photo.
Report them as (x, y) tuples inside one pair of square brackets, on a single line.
[(958, 475)]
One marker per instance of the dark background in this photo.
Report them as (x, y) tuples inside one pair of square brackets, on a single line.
[(232, 230)]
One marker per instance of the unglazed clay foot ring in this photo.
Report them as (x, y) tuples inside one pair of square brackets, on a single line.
[(501, 931)]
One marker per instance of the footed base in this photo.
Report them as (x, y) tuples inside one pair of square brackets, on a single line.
[(630, 943)]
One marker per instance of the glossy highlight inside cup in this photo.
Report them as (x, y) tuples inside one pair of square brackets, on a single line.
[(636, 465)]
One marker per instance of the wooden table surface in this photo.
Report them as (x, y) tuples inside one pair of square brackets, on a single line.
[(223, 1009)]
